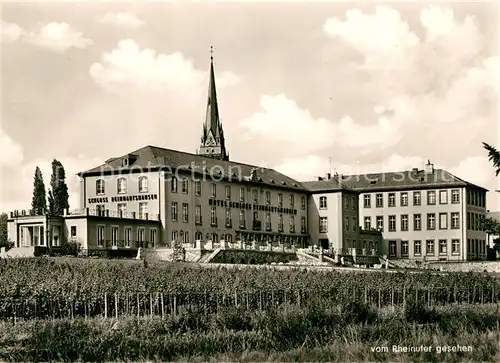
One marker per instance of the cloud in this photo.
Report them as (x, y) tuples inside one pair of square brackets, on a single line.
[(282, 120), (381, 37), (58, 37), (130, 65), (10, 32), (122, 19), (11, 154)]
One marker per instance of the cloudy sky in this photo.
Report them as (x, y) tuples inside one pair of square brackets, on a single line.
[(374, 87)]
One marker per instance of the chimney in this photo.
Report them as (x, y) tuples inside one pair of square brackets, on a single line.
[(328, 176), (415, 170), (320, 178), (429, 168)]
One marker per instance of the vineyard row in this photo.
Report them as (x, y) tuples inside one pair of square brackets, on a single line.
[(162, 304)]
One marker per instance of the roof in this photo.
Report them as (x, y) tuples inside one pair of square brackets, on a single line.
[(401, 180), (151, 158), (331, 185)]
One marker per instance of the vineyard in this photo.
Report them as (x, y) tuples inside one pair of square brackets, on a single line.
[(51, 288)]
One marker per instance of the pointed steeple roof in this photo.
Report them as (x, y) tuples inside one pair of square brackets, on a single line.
[(212, 122)]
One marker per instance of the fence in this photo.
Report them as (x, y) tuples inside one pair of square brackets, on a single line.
[(162, 304)]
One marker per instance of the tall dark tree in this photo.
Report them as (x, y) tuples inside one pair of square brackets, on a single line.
[(39, 202), (58, 195), (4, 240), (493, 156)]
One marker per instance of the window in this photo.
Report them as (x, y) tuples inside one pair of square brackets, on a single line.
[(322, 203), (242, 218), (228, 192), (392, 248), (213, 216), (292, 201), (443, 220), (346, 223), (152, 237), (242, 194), (455, 246), (379, 200), (404, 248), (228, 217), (417, 248), (392, 223), (268, 221), (186, 237), (122, 210), (143, 184), (185, 185), (404, 199), (73, 231), (354, 202), (392, 199), (303, 227), (430, 247), (431, 197), (417, 199), (368, 223), (143, 210), (198, 236), (404, 222), (215, 238), (380, 223), (367, 200), (455, 220), (442, 246), (280, 200), (255, 193), (229, 238), (354, 223), (175, 236), (214, 191), (128, 236), (346, 202), (292, 224), (197, 214), (100, 209), (417, 222), (443, 197), (173, 184), (185, 212), (114, 236), (173, 211), (323, 224), (100, 235), (469, 220), (197, 187), (121, 186), (280, 223), (99, 187), (302, 202), (431, 221)]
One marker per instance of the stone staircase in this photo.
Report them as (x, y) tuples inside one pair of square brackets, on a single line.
[(209, 256)]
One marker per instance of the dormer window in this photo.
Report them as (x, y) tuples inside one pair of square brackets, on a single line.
[(121, 186), (125, 161)]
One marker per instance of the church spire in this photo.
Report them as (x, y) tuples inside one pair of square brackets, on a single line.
[(212, 140)]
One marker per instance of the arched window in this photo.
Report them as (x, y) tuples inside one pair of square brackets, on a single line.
[(215, 238), (186, 237), (229, 238), (143, 184), (198, 236), (121, 186), (99, 187)]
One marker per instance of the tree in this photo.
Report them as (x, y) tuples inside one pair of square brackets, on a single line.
[(493, 156), (39, 202), (492, 228), (4, 240), (58, 195)]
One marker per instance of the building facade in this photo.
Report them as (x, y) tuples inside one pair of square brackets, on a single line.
[(156, 197)]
